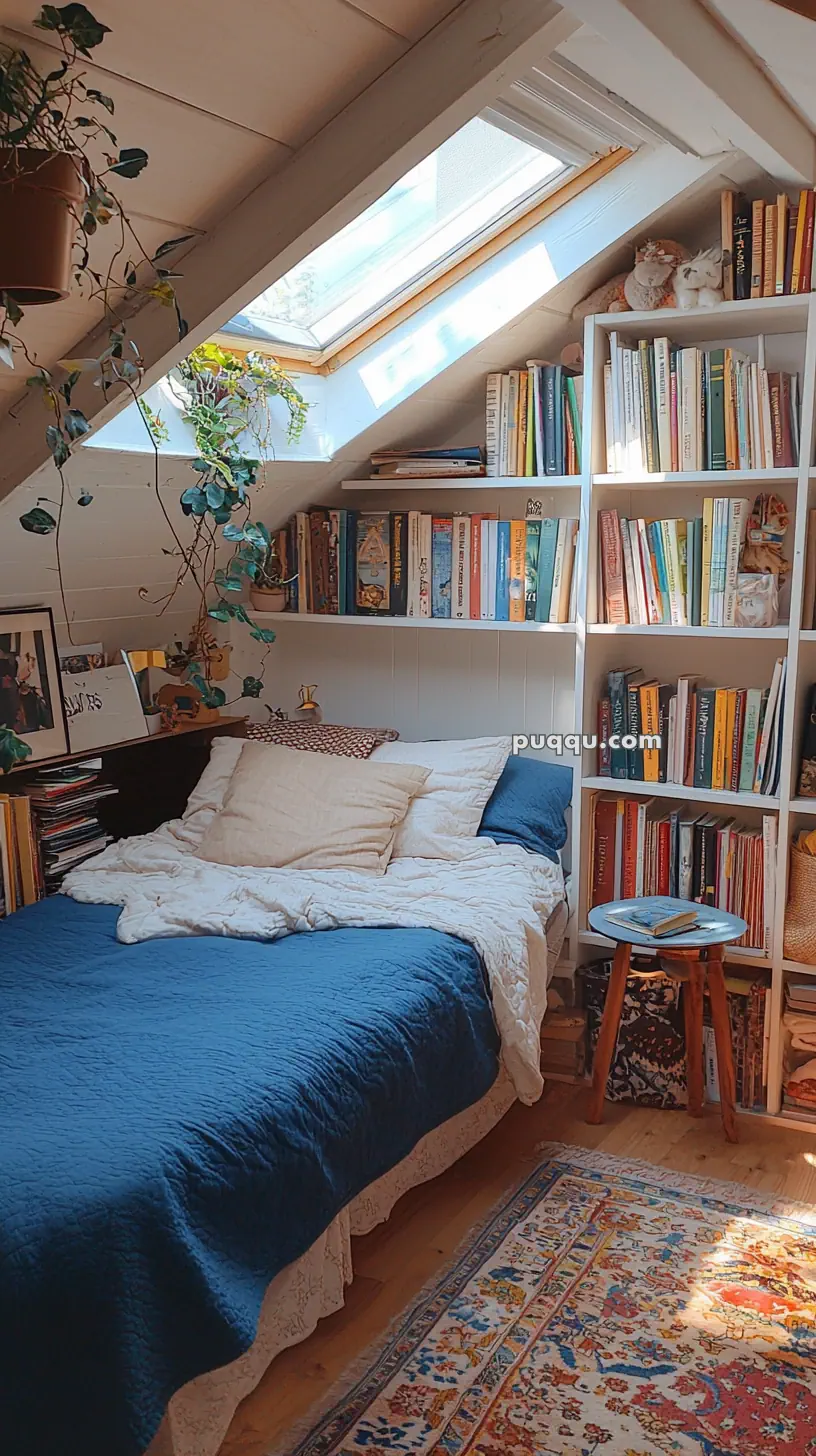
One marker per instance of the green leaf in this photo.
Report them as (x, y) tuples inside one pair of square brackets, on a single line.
[(215, 495), (222, 515), (256, 534), (221, 613), (57, 444), (171, 244), (103, 100), (213, 697), (85, 499), (6, 355), (251, 687), (132, 161), (75, 424), (12, 749), (233, 532), (195, 499), (38, 521), (12, 307), (263, 634), (76, 22)]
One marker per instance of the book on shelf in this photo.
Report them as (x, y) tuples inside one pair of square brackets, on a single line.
[(726, 739), (467, 567), (767, 246), (669, 408), (649, 846), (678, 572), (428, 464), (533, 420), (48, 828)]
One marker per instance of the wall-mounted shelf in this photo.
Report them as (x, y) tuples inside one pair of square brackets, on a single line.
[(680, 791), (664, 629), (439, 624), (535, 483), (711, 479)]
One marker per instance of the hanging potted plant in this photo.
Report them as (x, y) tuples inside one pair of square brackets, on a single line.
[(267, 583)]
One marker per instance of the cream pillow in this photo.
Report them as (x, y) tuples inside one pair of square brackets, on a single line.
[(310, 811), (463, 772)]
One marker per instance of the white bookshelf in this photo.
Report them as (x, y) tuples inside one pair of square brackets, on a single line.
[(787, 329), (532, 484), (436, 624)]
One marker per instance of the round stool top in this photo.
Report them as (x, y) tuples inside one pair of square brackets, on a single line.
[(714, 927)]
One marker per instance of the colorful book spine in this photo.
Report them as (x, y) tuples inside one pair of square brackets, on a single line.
[(502, 613), (442, 565)]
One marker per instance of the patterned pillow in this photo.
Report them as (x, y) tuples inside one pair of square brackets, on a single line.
[(321, 737)]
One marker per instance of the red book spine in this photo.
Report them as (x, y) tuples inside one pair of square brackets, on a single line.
[(630, 828), (603, 869), (736, 745), (612, 558), (663, 856)]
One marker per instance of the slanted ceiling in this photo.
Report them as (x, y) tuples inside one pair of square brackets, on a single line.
[(220, 97)]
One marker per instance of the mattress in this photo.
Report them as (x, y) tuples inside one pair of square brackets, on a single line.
[(182, 1120)]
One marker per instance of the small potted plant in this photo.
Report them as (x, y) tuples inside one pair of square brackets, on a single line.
[(267, 584)]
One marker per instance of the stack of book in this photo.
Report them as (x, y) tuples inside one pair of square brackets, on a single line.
[(748, 1012), (563, 1045), (533, 420), (800, 996), (650, 847), (413, 564), (680, 572), (705, 738), (63, 803), (460, 460), (667, 408), (767, 246)]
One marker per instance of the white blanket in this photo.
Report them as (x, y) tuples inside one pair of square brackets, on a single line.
[(496, 897)]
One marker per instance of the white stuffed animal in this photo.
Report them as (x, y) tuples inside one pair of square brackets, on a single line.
[(698, 283)]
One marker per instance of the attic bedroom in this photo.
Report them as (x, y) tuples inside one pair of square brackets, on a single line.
[(407, 728)]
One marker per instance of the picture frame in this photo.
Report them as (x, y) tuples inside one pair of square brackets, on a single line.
[(31, 702)]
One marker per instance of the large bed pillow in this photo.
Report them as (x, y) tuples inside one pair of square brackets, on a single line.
[(288, 809), (528, 806), (463, 773)]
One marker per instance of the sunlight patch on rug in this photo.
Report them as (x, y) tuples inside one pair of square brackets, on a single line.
[(606, 1306)]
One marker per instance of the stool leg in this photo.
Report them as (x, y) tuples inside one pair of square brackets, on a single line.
[(693, 1017), (608, 1034), (722, 1038)]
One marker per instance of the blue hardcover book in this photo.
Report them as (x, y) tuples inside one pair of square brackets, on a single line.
[(546, 567), (548, 409), (351, 564), (503, 572), (441, 565), (663, 917), (656, 543)]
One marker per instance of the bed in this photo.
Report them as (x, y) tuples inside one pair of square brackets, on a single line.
[(195, 1125)]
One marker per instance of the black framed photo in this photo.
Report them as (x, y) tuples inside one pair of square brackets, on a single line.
[(31, 702)]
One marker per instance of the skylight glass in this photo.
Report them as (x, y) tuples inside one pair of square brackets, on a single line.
[(474, 180)]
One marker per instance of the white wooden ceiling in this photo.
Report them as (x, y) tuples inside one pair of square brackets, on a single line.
[(219, 96), (784, 43)]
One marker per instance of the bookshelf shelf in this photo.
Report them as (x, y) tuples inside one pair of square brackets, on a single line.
[(682, 792), (630, 629), (807, 636), (802, 806), (746, 319), (477, 482), (438, 624), (798, 968), (711, 479)]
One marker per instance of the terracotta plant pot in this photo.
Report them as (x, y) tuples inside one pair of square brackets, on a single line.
[(268, 599), (37, 191)]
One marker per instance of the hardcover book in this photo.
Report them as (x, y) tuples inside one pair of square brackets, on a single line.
[(373, 564), (442, 565)]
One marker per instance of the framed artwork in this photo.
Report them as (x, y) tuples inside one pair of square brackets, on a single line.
[(30, 690)]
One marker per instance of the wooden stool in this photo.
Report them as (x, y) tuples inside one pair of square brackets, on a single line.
[(701, 953)]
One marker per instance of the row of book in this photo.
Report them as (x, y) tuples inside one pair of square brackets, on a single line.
[(49, 828), (709, 738), (428, 464), (767, 246), (680, 572), (414, 564), (533, 420), (673, 409), (651, 847)]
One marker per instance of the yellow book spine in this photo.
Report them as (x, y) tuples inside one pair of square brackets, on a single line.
[(705, 574), (718, 753), (781, 240), (649, 713), (518, 547), (529, 454), (730, 725)]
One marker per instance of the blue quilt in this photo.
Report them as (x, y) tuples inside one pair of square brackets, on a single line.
[(182, 1118)]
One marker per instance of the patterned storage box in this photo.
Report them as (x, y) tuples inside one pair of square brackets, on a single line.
[(649, 1065)]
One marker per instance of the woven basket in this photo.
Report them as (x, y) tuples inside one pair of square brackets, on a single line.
[(800, 911)]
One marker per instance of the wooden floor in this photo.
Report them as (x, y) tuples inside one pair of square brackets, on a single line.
[(397, 1259)]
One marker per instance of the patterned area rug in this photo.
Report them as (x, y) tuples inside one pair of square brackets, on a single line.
[(607, 1306)]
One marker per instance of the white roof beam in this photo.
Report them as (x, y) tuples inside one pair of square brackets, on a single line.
[(694, 55), (443, 81)]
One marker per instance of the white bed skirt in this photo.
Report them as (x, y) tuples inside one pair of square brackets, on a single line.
[(314, 1286)]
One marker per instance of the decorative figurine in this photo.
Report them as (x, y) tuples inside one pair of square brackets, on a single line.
[(309, 711)]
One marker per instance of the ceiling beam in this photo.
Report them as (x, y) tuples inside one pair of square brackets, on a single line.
[(695, 57), (442, 82)]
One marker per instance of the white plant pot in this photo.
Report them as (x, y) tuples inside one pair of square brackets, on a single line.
[(268, 599)]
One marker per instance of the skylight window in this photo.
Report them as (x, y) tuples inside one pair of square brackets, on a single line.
[(476, 181)]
